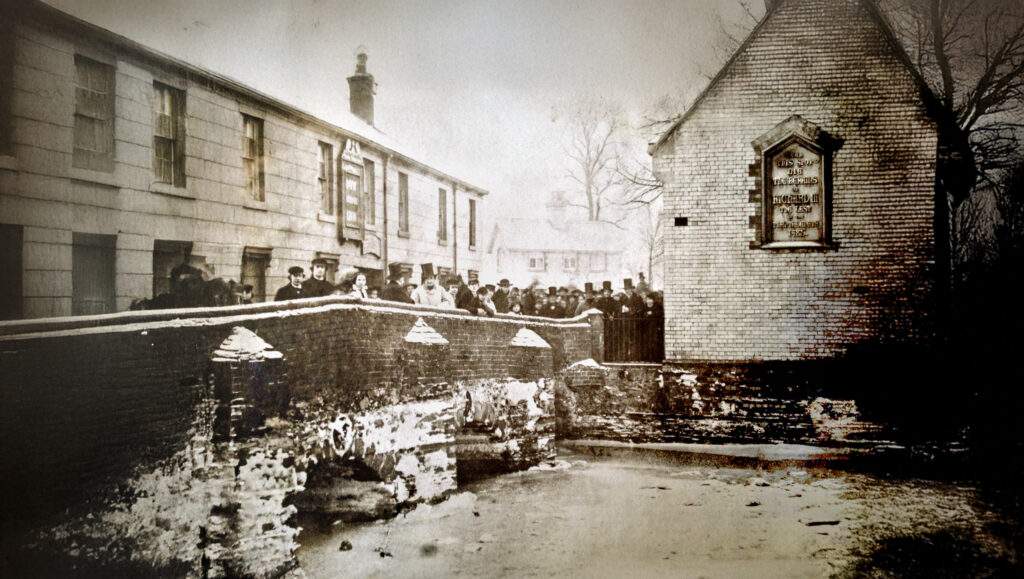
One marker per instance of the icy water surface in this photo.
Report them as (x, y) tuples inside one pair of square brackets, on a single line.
[(635, 516)]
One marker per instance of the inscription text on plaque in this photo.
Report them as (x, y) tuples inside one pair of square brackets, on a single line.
[(795, 193)]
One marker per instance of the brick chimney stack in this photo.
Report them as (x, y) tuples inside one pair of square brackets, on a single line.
[(361, 90)]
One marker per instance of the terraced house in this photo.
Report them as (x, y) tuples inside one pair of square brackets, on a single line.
[(118, 163)]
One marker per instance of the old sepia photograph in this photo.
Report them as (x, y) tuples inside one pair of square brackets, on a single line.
[(511, 288)]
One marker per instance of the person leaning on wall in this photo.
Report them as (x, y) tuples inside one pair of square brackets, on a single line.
[(293, 290), (317, 285)]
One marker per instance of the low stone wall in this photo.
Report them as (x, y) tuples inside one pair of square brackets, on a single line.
[(708, 403), (184, 445)]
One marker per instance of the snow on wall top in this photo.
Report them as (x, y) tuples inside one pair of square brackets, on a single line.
[(421, 333), (244, 344), (527, 338)]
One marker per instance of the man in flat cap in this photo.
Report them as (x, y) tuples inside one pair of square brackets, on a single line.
[(317, 285), (293, 290), (500, 299)]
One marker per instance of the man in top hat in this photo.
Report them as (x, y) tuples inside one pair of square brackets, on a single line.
[(633, 300), (553, 308), (641, 286), (430, 293), (317, 286), (606, 303), (394, 290), (500, 299), (293, 290)]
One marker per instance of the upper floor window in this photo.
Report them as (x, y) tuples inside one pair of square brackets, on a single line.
[(7, 88), (472, 223), (370, 189), (570, 263), (252, 156), (598, 262), (442, 215), (403, 203), (169, 135), (325, 177), (94, 115), (536, 262)]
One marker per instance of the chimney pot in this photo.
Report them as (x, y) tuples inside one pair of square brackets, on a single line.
[(361, 89)]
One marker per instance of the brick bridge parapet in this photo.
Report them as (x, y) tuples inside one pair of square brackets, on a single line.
[(184, 441)]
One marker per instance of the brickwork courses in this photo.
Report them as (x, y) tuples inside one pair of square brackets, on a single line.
[(830, 62), (110, 421)]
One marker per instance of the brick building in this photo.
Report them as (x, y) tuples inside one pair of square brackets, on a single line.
[(801, 212), (116, 160)]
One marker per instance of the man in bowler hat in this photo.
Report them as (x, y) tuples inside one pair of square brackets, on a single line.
[(500, 299)]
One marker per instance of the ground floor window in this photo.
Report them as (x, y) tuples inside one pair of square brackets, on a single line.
[(11, 291), (93, 272), (255, 261), (374, 277), (331, 273), (167, 255)]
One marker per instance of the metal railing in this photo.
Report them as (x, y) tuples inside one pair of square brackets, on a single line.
[(630, 339)]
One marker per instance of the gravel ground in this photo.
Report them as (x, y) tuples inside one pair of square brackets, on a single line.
[(635, 516)]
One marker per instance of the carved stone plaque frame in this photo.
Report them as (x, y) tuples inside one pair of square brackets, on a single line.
[(793, 188)]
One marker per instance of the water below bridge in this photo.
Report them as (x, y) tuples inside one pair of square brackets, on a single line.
[(611, 513)]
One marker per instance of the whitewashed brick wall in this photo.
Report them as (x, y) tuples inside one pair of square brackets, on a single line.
[(827, 61)]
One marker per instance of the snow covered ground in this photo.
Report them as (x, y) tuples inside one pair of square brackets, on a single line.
[(637, 516)]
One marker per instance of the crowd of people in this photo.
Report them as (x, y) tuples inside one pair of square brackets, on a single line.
[(191, 287), (481, 299), (634, 316)]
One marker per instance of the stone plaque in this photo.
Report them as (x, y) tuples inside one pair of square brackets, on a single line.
[(796, 193)]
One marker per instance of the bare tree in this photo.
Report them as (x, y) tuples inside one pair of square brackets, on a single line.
[(971, 55), (641, 186), (650, 231), (593, 141)]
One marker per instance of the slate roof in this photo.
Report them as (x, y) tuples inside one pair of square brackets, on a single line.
[(521, 234)]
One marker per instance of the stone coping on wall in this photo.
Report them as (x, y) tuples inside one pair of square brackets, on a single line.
[(138, 321)]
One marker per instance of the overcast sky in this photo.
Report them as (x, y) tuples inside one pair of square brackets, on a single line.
[(472, 82)]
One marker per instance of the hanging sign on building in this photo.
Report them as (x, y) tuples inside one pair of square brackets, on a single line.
[(350, 220), (795, 193)]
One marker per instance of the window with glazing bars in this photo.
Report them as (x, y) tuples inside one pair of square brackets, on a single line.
[(370, 192), (252, 156), (7, 87), (325, 177), (472, 223), (403, 203), (94, 115), (169, 135), (442, 215)]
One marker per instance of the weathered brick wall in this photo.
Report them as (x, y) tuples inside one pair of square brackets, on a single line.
[(827, 61), (41, 191), (796, 402), (87, 409)]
